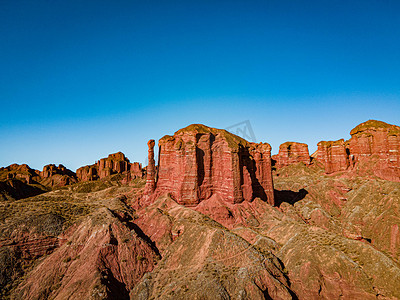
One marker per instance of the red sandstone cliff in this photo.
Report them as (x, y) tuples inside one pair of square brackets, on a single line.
[(21, 172), (53, 175), (291, 153), (334, 155), (115, 163), (374, 147), (198, 162), (377, 143)]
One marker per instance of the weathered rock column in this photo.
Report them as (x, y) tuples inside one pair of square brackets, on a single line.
[(265, 187), (151, 170)]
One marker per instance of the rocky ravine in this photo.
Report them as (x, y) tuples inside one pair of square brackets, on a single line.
[(205, 225)]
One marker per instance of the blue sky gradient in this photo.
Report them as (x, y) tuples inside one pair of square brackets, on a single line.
[(82, 79)]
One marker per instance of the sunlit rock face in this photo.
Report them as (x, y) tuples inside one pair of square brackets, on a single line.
[(376, 145), (292, 153), (333, 155), (151, 170), (115, 163), (198, 162), (19, 181), (372, 149)]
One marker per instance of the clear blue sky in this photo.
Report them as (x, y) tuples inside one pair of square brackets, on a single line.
[(82, 79)]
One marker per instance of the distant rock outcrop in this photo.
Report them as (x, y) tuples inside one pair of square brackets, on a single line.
[(198, 162), (291, 153), (115, 163), (333, 155), (374, 147), (87, 173), (377, 144), (22, 172), (53, 175), (20, 181)]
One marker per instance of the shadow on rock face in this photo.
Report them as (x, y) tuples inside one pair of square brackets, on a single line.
[(290, 197)]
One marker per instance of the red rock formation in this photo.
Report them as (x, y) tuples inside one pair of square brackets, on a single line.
[(115, 163), (136, 170), (377, 143), (31, 246), (87, 173), (374, 147), (199, 161), (21, 172), (333, 155), (262, 167), (57, 176), (51, 176), (291, 153), (49, 170), (151, 170)]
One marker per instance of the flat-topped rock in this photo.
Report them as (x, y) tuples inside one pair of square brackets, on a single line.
[(333, 155), (116, 163), (199, 161), (374, 147), (292, 153)]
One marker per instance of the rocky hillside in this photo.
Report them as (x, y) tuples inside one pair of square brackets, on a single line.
[(205, 225), (20, 181)]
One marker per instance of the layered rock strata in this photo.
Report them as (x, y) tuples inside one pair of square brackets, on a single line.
[(198, 162), (377, 143), (374, 147), (334, 155), (115, 163), (151, 170), (51, 175), (292, 153), (21, 172)]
